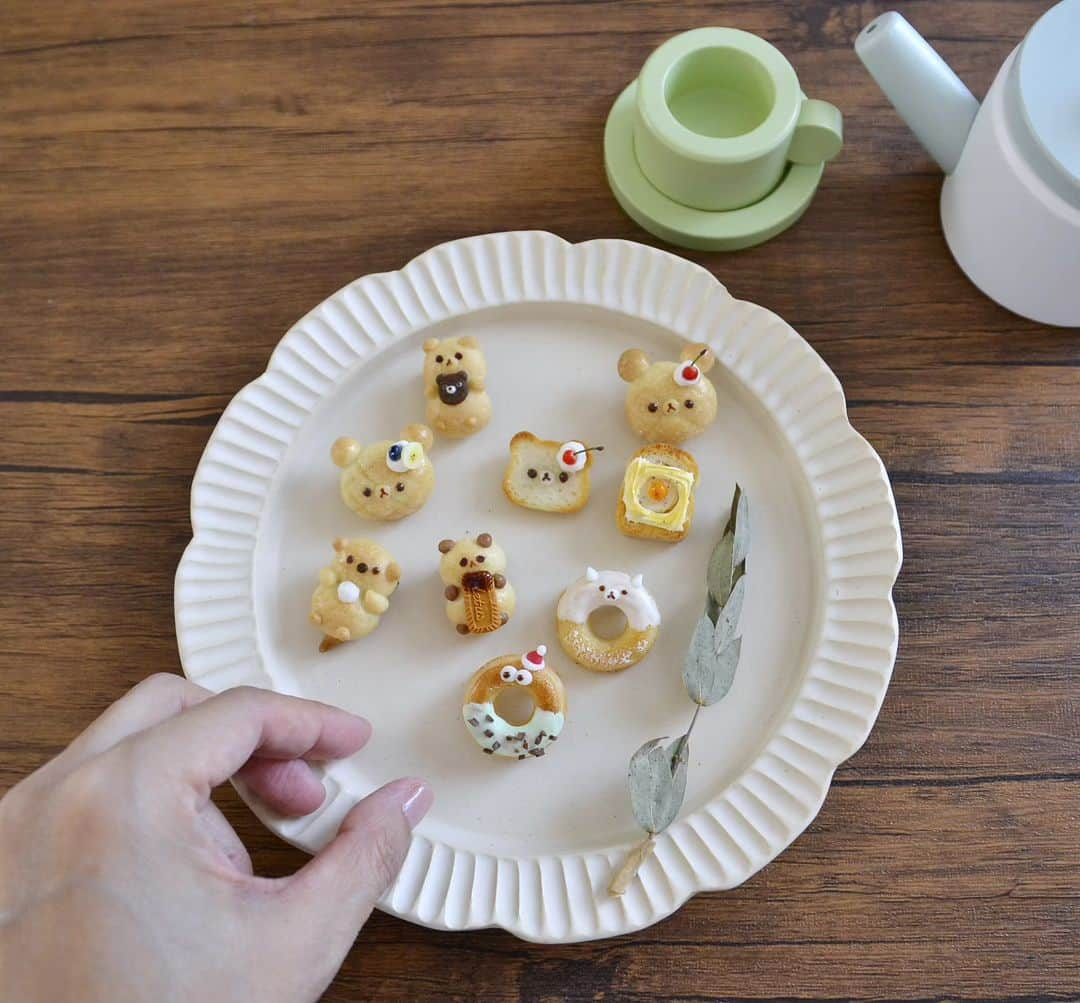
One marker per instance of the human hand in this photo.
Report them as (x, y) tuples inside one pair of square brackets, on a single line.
[(121, 880)]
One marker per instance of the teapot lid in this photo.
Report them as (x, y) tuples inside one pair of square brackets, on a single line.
[(1048, 81)]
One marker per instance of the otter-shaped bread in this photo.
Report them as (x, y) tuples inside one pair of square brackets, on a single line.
[(657, 499), (353, 592), (479, 599), (386, 480), (669, 401), (454, 375), (546, 475)]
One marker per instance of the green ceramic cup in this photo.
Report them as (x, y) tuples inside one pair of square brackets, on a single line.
[(719, 116)]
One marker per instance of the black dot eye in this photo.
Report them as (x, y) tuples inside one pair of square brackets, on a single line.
[(362, 568), (400, 485), (367, 492), (438, 358), (689, 403), (349, 559), (464, 562), (624, 592), (564, 477), (600, 587), (458, 356), (654, 407), (532, 472), (375, 571), (480, 558)]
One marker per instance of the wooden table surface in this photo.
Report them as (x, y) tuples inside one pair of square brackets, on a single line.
[(179, 182)]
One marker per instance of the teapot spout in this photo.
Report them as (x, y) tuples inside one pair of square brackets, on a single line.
[(926, 93)]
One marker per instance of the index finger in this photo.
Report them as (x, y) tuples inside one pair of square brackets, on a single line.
[(207, 744)]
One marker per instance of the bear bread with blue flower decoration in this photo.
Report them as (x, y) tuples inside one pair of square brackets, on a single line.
[(386, 480)]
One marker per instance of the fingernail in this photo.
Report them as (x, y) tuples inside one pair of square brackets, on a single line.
[(416, 805)]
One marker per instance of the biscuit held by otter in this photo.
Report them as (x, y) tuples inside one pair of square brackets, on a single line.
[(353, 592), (386, 480), (546, 475), (657, 500), (500, 737), (479, 599), (454, 376), (669, 401)]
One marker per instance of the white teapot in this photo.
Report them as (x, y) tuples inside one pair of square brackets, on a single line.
[(1010, 205)]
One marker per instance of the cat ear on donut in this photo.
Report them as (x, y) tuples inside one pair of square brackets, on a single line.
[(592, 574)]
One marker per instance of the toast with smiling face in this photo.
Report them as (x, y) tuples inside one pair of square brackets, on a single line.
[(546, 475)]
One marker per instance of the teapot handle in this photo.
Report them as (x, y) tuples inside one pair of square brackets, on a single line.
[(819, 133)]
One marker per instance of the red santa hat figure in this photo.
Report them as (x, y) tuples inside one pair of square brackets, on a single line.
[(534, 660)]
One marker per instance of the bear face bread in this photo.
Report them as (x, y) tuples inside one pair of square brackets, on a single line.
[(353, 592), (479, 599), (657, 499), (548, 476), (599, 590), (669, 401), (455, 372), (386, 480), (490, 730)]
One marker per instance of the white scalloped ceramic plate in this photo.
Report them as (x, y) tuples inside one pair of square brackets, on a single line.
[(531, 846)]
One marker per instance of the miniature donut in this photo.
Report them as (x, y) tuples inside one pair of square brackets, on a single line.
[(596, 590), (493, 733)]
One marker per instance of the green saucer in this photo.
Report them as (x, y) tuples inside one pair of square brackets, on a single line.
[(699, 229)]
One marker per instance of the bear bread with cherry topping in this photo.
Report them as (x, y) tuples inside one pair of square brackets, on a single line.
[(546, 475), (455, 372), (386, 480), (669, 401), (490, 730), (479, 599), (353, 592)]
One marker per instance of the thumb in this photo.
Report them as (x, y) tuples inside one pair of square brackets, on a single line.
[(339, 887)]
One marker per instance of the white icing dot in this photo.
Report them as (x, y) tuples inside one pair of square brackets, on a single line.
[(348, 592)]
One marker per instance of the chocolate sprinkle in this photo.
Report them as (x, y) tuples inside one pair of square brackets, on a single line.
[(488, 719), (536, 752), (521, 757), (489, 751), (495, 745), (489, 733), (474, 722)]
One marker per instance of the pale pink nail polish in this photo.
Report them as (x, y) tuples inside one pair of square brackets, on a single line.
[(417, 804)]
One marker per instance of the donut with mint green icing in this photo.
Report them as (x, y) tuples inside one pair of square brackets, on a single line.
[(492, 732)]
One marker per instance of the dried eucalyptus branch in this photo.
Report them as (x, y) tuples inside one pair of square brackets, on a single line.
[(657, 773)]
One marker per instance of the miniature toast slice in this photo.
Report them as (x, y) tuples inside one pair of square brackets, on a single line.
[(547, 476), (657, 500)]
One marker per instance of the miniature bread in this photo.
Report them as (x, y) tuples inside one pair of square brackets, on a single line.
[(669, 401), (598, 590), (479, 599), (490, 730), (455, 372), (386, 480), (657, 499), (546, 475), (353, 592)]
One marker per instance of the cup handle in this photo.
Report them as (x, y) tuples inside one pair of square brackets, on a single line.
[(819, 133)]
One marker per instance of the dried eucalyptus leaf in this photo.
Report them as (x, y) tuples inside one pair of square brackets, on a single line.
[(727, 622), (698, 665), (678, 753), (733, 513), (650, 785), (722, 672), (719, 575), (742, 527)]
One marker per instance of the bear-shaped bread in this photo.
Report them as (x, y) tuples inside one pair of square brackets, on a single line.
[(657, 498), (386, 480), (546, 475), (353, 592), (669, 401), (479, 599), (455, 372)]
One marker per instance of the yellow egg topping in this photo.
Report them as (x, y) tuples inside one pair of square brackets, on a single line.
[(656, 494)]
